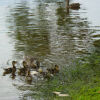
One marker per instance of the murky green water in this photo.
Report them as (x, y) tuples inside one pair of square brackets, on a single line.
[(44, 29)]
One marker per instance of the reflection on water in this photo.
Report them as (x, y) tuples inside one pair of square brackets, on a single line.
[(29, 30), (45, 30)]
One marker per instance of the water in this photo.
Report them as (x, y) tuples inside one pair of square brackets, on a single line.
[(43, 29)]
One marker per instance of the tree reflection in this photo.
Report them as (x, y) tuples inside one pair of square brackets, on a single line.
[(70, 36), (30, 33), (46, 30)]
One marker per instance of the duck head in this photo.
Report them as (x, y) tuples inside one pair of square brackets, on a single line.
[(24, 64), (13, 63), (38, 64), (40, 70), (56, 67)]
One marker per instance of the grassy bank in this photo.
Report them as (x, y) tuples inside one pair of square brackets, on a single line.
[(81, 81)]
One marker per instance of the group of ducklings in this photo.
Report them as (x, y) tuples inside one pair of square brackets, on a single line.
[(30, 68)]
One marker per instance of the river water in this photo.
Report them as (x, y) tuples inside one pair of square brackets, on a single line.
[(45, 30)]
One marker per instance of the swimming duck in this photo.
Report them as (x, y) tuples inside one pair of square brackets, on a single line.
[(45, 74), (53, 70), (40, 70), (10, 70), (35, 64), (74, 6), (28, 77), (32, 63), (22, 71), (13, 75)]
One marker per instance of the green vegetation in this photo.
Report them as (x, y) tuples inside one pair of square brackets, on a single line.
[(81, 81)]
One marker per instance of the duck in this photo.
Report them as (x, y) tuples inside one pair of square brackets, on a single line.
[(74, 6), (22, 71), (45, 74), (32, 63), (53, 70), (13, 75), (40, 70), (28, 77), (11, 69), (37, 64)]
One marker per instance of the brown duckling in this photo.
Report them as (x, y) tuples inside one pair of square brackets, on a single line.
[(45, 74), (40, 70), (35, 64), (13, 75), (56, 69), (53, 70), (22, 71), (32, 64), (28, 77), (10, 70), (74, 6)]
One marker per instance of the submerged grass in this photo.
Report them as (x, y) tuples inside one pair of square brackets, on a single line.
[(81, 81)]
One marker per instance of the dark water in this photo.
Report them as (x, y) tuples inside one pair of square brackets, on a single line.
[(45, 30)]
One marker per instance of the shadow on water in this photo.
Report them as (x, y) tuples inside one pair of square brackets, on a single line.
[(50, 32)]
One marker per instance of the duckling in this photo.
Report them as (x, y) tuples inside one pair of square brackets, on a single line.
[(56, 69), (74, 6), (10, 70), (27, 59), (53, 70), (25, 66), (37, 64), (28, 77), (40, 70), (13, 75), (46, 74), (32, 64), (22, 71)]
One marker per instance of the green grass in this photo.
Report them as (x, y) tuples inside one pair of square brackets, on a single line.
[(81, 81)]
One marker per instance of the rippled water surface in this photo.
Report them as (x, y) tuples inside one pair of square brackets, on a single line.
[(45, 30)]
